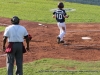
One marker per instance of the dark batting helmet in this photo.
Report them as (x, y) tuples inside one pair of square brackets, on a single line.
[(15, 20), (60, 5)]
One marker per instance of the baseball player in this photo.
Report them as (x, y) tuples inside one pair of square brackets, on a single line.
[(60, 16)]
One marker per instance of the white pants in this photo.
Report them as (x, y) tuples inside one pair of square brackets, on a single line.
[(62, 28)]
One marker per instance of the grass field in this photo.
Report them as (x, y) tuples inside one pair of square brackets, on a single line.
[(2, 28), (59, 67), (39, 11)]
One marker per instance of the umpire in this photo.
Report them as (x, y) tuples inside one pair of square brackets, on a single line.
[(15, 34)]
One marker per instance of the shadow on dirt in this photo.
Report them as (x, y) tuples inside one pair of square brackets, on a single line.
[(82, 47)]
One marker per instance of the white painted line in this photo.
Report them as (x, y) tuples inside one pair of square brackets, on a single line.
[(66, 9), (3, 24), (69, 9)]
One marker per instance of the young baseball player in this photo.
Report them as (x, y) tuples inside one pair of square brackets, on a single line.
[(60, 16)]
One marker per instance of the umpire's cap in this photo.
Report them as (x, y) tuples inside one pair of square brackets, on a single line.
[(60, 5), (15, 20)]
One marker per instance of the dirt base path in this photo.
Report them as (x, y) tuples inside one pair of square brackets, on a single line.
[(44, 44)]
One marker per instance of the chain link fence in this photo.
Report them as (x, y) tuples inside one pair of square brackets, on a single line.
[(94, 2)]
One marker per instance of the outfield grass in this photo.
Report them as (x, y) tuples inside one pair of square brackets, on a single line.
[(39, 10), (59, 67)]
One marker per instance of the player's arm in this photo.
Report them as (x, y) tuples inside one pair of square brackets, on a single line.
[(5, 36), (4, 42), (27, 41), (66, 16), (54, 16)]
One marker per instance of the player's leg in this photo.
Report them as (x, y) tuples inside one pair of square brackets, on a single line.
[(63, 33), (19, 59), (63, 29), (10, 63), (60, 29)]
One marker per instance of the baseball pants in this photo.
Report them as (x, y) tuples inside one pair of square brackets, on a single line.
[(62, 28), (18, 56)]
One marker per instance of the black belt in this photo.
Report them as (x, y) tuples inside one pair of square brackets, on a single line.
[(61, 22), (15, 42)]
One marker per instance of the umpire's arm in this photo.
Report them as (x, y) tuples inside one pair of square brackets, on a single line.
[(4, 42), (27, 41)]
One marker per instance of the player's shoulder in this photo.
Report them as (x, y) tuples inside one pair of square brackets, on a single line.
[(63, 10), (9, 26), (22, 27), (60, 10)]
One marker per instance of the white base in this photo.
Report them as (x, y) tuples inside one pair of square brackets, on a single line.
[(86, 38)]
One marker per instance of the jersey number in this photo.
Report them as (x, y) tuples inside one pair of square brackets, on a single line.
[(59, 16)]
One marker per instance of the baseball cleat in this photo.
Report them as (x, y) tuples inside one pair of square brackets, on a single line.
[(58, 40), (62, 41)]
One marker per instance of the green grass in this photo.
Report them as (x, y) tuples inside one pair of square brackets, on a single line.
[(39, 10), (60, 67), (2, 28)]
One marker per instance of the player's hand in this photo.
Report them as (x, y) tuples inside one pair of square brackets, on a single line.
[(27, 48), (66, 16)]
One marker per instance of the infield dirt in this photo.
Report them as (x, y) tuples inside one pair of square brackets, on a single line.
[(44, 44)]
